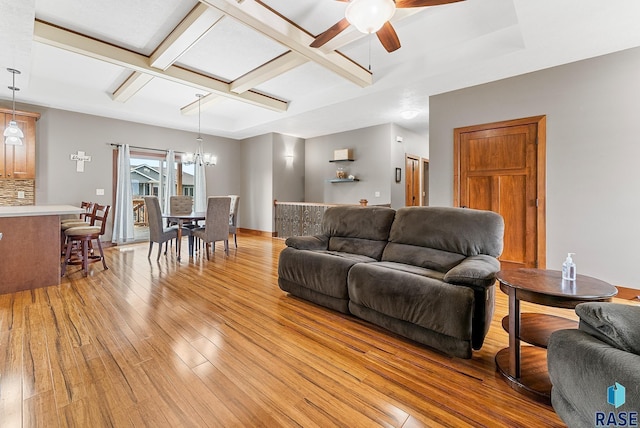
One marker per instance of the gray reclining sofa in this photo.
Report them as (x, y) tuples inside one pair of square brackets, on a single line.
[(426, 273)]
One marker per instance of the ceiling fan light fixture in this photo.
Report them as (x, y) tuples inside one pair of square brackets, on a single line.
[(409, 114), (368, 16)]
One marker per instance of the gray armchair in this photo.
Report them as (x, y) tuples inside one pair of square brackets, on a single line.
[(157, 233), (216, 225), (588, 364)]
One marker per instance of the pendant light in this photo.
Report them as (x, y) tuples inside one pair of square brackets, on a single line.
[(206, 159), (13, 135)]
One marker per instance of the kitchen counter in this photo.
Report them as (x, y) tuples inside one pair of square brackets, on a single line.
[(30, 246), (37, 210)]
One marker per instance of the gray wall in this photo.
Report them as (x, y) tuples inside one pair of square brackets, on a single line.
[(376, 154), (592, 110), (60, 133), (256, 175)]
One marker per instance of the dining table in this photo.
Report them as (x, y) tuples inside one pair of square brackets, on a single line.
[(180, 219)]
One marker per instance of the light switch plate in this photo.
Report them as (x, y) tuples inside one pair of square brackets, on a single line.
[(377, 194), (99, 192), (20, 194)]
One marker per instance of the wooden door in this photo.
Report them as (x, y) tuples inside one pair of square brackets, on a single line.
[(425, 182), (501, 167), (412, 181)]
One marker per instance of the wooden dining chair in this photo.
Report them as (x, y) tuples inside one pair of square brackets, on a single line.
[(79, 241), (157, 232), (216, 224)]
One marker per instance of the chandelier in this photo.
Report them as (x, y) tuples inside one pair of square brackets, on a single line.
[(13, 134), (199, 158)]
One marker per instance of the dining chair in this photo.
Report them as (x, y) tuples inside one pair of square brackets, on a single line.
[(157, 232), (180, 205), (79, 240), (233, 218), (216, 224)]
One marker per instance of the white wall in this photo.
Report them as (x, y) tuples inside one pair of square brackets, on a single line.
[(592, 110)]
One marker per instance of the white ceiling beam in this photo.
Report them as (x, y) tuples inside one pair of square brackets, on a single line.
[(275, 27), (268, 71), (193, 27), (206, 101), (130, 86), (73, 42)]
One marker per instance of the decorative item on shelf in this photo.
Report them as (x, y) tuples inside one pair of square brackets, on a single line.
[(341, 173), (199, 157), (13, 134), (351, 177), (343, 155)]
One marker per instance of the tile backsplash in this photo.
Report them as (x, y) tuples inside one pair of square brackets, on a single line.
[(9, 192)]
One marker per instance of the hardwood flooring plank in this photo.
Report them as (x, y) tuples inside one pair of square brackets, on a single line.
[(215, 343)]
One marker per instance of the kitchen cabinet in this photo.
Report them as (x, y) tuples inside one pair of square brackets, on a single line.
[(19, 162)]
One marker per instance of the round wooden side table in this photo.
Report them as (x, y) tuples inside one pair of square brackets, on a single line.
[(525, 367)]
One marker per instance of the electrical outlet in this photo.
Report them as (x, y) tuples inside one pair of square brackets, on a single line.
[(99, 192), (377, 194), (20, 194)]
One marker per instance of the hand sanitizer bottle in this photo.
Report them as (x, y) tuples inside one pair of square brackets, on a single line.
[(569, 268)]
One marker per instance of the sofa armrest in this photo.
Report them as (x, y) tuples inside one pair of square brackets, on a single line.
[(317, 242), (478, 271), (613, 323)]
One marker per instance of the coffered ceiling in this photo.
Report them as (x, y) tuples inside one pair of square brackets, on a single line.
[(145, 60)]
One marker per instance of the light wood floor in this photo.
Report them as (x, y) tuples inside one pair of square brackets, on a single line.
[(197, 343)]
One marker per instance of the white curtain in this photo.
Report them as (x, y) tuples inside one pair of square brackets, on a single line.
[(170, 181), (200, 186), (123, 213)]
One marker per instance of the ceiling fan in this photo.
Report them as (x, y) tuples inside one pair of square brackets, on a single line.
[(372, 16)]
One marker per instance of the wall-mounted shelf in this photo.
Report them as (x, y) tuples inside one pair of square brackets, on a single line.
[(343, 180), (342, 160)]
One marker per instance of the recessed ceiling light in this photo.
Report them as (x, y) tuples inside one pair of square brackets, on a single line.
[(409, 114)]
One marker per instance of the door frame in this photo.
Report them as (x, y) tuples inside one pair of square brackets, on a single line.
[(541, 173), (408, 176)]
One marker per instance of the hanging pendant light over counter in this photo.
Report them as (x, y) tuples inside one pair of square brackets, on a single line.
[(13, 134)]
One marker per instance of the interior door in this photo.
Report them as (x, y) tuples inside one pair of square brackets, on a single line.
[(412, 181), (500, 167)]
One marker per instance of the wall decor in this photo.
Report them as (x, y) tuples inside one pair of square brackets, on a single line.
[(398, 175)]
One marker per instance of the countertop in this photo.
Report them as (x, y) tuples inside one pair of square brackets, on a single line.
[(38, 210)]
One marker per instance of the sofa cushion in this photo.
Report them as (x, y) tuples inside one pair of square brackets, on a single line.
[(322, 271), (428, 273), (456, 230), (614, 323), (478, 271), (418, 299), (358, 230), (429, 258)]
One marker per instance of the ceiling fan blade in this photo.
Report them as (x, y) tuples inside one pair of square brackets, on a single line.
[(422, 3), (336, 29), (388, 37)]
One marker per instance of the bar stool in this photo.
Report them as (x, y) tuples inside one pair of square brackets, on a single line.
[(79, 239), (85, 218)]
